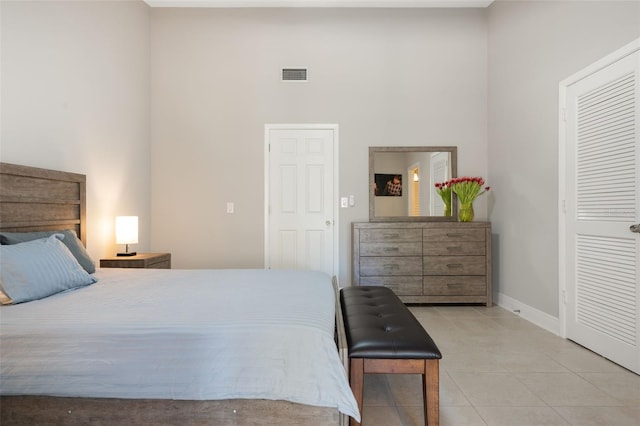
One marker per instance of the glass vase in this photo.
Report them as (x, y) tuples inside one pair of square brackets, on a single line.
[(447, 209), (465, 213)]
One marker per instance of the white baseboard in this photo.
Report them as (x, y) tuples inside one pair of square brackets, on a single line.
[(533, 315)]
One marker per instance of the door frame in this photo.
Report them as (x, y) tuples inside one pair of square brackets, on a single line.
[(411, 187), (619, 54), (267, 195)]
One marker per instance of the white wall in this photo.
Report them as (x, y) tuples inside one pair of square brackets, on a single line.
[(75, 97), (387, 77), (532, 47), (76, 80)]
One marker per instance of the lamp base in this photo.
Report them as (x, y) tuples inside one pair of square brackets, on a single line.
[(129, 253)]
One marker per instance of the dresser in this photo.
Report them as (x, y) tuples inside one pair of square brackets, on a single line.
[(425, 262)]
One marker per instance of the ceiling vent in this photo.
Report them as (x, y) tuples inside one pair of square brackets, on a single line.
[(294, 74)]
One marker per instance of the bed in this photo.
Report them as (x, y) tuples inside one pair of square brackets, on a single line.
[(165, 346)]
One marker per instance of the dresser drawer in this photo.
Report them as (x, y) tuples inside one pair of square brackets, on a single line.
[(436, 235), (391, 249), (452, 285), (165, 264), (444, 248), (385, 265), (390, 235), (455, 265), (402, 286)]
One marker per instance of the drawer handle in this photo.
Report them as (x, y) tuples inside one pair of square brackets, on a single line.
[(454, 248), (387, 267), (454, 285), (391, 235), (454, 234), (454, 265), (391, 249)]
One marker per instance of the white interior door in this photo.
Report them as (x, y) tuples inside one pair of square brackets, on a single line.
[(439, 167), (301, 230), (602, 205)]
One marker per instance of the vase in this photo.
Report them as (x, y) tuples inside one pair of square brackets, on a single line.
[(447, 209), (466, 212)]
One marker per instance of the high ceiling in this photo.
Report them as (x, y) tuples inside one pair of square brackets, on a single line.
[(319, 3)]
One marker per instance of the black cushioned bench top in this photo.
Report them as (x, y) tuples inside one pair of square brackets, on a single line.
[(379, 325)]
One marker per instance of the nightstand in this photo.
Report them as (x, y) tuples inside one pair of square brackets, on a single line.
[(141, 260)]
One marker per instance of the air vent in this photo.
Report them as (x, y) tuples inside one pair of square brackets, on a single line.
[(294, 74)]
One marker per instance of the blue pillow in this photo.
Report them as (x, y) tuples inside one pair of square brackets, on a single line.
[(40, 268), (70, 240)]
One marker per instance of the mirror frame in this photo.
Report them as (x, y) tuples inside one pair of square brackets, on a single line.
[(373, 150)]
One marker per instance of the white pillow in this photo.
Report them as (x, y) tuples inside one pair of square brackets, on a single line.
[(40, 268)]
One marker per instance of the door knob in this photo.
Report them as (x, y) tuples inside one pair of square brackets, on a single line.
[(328, 223), (635, 228)]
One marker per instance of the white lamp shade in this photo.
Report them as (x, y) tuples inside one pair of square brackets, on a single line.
[(126, 229)]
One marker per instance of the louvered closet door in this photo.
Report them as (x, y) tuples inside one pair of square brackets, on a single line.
[(603, 193)]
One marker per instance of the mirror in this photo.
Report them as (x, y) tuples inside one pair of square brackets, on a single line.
[(402, 182)]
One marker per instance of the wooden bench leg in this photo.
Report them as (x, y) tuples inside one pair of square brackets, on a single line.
[(356, 379), (429, 369), (431, 392)]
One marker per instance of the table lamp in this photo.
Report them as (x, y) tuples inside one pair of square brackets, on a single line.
[(127, 233)]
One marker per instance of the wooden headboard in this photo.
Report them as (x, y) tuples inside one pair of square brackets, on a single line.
[(34, 199)]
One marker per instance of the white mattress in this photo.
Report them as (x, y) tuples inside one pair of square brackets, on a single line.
[(180, 334)]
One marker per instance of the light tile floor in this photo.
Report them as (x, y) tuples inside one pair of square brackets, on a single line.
[(498, 369)]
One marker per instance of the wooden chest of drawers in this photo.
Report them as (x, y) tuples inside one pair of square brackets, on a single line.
[(425, 262)]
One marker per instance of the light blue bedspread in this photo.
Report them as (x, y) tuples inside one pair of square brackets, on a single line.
[(180, 334)]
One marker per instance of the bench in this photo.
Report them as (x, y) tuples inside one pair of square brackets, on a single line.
[(384, 337)]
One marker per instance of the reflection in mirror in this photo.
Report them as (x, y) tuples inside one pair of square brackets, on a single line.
[(403, 182)]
